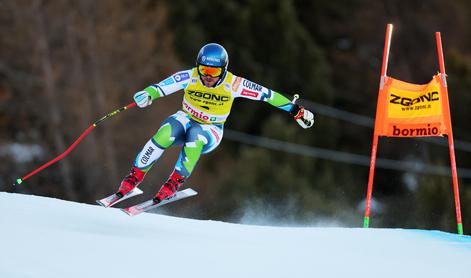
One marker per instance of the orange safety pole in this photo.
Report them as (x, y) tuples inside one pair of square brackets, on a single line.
[(387, 43), (451, 146), (374, 148)]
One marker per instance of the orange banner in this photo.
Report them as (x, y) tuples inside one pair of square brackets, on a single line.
[(410, 110)]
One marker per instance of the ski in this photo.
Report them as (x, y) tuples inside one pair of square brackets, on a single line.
[(150, 204), (115, 198)]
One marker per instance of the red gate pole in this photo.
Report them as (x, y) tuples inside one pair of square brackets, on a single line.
[(366, 218), (374, 148), (451, 145)]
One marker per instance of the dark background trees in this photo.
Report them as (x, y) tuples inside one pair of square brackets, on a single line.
[(64, 64)]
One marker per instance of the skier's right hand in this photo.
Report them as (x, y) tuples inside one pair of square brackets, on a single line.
[(142, 99)]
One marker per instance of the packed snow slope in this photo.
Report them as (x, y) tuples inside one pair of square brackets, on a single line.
[(45, 238)]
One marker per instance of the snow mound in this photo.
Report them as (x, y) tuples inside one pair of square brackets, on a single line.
[(45, 237)]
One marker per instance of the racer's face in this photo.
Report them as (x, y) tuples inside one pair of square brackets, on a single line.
[(209, 81), (209, 75)]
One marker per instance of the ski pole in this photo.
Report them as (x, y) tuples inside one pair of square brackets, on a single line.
[(90, 128)]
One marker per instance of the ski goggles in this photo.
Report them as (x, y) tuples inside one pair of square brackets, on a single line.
[(209, 71)]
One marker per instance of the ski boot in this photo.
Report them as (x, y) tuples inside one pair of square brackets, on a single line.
[(170, 187), (131, 181)]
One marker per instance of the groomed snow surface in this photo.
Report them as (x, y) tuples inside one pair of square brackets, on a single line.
[(45, 238)]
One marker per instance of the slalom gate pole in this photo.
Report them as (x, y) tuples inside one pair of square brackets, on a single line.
[(366, 218), (387, 44), (451, 145), (90, 128)]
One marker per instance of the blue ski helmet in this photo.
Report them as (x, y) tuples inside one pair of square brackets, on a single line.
[(213, 55)]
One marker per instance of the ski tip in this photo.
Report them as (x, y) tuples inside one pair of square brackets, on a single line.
[(190, 191), (137, 191), (18, 182)]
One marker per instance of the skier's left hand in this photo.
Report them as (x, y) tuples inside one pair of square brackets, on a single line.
[(303, 117)]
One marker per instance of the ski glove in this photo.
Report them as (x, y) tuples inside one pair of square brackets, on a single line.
[(142, 99), (303, 117)]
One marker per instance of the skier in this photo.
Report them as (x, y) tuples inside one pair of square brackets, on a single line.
[(209, 91)]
